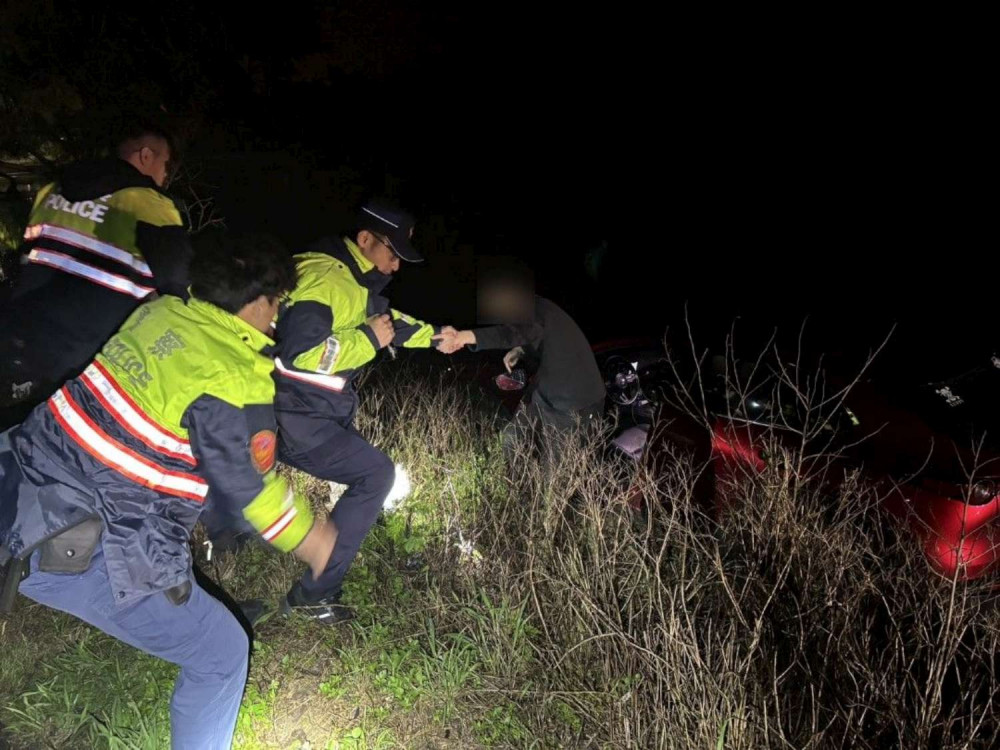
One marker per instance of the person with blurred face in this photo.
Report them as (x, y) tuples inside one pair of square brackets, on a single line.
[(100, 240), (567, 391)]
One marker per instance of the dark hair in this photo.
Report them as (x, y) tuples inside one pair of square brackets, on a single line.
[(231, 270), (135, 130)]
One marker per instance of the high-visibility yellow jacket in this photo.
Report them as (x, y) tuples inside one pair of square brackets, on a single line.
[(178, 402), (323, 335), (99, 241)]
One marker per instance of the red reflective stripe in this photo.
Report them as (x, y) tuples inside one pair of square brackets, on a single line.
[(133, 404), (131, 453), (129, 428), (139, 412), (93, 451), (302, 378), (280, 525)]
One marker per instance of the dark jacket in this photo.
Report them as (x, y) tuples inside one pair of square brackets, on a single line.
[(568, 378), (324, 340), (179, 400), (99, 241)]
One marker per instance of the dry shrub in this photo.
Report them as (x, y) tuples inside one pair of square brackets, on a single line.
[(801, 618)]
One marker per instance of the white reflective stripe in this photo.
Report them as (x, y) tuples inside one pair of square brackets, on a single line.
[(330, 382), (281, 524), (86, 242), (380, 218), (132, 418), (112, 454), (71, 265)]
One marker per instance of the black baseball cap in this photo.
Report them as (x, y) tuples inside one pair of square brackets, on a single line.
[(395, 225)]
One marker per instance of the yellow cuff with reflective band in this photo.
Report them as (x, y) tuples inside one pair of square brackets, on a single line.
[(282, 517), (418, 334), (421, 339)]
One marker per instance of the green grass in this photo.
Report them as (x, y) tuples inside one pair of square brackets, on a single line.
[(574, 622), (95, 692), (393, 678)]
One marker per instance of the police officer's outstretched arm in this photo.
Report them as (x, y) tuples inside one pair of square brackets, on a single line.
[(235, 449), (411, 333)]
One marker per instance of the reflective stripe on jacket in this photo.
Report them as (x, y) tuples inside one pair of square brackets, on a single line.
[(324, 338), (98, 240), (179, 401)]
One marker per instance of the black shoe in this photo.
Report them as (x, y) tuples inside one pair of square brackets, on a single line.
[(327, 610), (255, 610)]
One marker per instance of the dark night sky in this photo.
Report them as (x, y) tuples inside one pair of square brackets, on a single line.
[(770, 167), (734, 170)]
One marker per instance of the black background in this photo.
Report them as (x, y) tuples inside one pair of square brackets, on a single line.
[(759, 167)]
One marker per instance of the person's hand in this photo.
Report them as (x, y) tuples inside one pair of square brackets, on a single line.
[(316, 548), (512, 357), (381, 326), (447, 340), (450, 341)]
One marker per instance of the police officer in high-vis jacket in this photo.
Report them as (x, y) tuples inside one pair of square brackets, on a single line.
[(99, 241), (101, 486), (335, 322)]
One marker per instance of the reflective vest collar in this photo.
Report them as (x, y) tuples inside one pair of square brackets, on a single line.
[(247, 333), (359, 257), (364, 271)]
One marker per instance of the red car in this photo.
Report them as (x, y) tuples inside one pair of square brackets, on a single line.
[(938, 454), (918, 445)]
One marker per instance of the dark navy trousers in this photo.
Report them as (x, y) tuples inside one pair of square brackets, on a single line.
[(201, 636), (345, 457)]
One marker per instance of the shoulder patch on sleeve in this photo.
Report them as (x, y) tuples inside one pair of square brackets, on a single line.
[(329, 357), (262, 450)]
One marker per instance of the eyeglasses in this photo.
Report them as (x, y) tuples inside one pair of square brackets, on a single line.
[(385, 241)]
